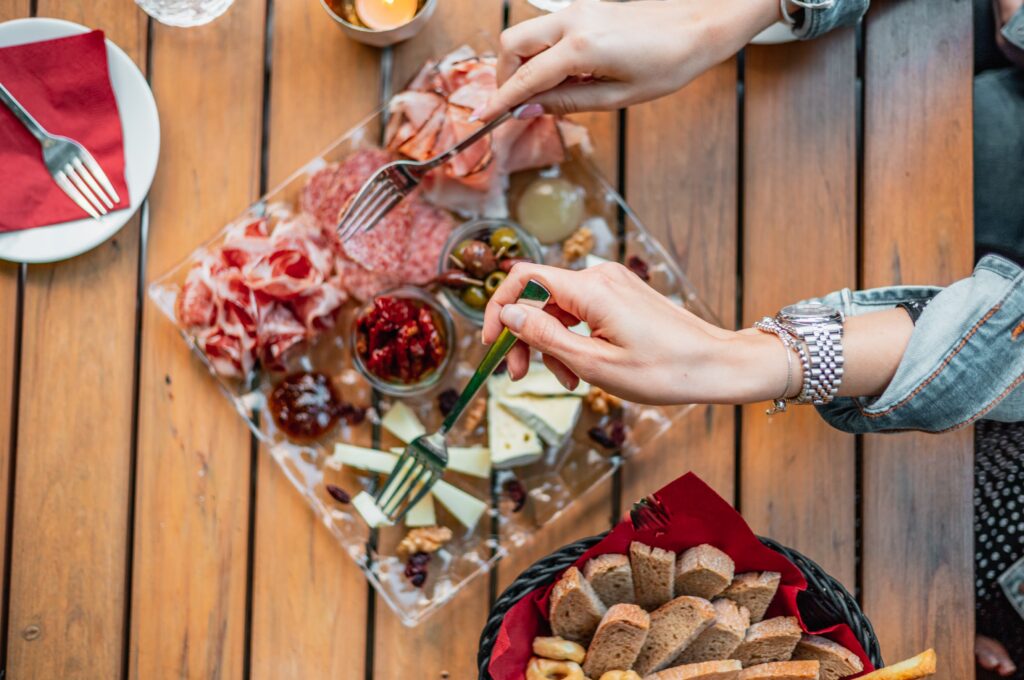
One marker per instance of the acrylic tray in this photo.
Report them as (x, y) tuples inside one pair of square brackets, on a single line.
[(562, 475)]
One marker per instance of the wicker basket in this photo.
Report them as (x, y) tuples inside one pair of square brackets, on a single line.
[(825, 602)]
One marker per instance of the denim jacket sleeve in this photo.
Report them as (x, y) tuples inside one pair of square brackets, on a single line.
[(811, 23), (965, 359)]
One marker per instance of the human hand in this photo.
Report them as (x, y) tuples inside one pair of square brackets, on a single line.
[(642, 346), (606, 55)]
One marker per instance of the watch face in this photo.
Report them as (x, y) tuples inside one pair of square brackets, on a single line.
[(808, 311)]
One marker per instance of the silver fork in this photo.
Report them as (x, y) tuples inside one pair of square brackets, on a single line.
[(72, 167), (396, 180), (425, 458)]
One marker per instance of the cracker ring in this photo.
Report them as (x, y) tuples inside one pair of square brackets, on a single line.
[(549, 669), (620, 675), (558, 649)]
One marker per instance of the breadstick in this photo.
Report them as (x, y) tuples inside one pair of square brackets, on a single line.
[(921, 666)]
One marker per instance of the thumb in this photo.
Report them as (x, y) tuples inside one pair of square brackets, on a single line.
[(589, 96), (546, 334)]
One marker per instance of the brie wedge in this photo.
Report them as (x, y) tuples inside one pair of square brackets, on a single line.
[(367, 507), (540, 382), (403, 423), (512, 442), (469, 460), (552, 417)]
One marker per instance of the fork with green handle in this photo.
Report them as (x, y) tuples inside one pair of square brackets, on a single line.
[(424, 460)]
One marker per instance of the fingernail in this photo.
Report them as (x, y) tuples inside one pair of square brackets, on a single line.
[(513, 317), (530, 111), (567, 383)]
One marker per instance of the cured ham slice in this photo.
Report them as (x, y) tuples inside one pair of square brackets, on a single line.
[(433, 113)]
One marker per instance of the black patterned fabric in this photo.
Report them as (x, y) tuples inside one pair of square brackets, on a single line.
[(998, 530)]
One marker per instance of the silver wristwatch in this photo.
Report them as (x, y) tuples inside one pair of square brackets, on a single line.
[(820, 329)]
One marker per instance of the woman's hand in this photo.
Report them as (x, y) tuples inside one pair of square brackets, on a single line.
[(606, 55), (642, 346)]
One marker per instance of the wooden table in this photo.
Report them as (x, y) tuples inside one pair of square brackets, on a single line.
[(147, 536)]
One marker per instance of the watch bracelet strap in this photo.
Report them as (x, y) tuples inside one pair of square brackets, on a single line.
[(824, 369)]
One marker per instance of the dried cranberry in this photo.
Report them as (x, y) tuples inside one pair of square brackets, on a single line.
[(416, 568), (352, 414), (338, 494), (418, 579), (637, 265), (514, 490), (598, 434), (420, 559), (446, 401)]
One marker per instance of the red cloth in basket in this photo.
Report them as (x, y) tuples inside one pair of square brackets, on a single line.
[(696, 515)]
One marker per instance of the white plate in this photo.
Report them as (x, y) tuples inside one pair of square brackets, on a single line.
[(141, 130)]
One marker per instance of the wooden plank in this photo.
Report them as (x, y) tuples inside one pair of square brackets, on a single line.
[(71, 506), (592, 513), (681, 174), (918, 543), (10, 9), (447, 642), (309, 598), (799, 240), (191, 520)]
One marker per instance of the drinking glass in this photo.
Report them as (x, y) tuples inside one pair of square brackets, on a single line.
[(184, 13)]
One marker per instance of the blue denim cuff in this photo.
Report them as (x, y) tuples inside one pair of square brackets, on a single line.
[(965, 359), (817, 22)]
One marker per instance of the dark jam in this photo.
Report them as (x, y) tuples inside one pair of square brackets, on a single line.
[(305, 405), (400, 340)]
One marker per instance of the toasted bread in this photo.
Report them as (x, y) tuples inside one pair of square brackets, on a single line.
[(769, 641), (706, 670), (722, 638), (921, 666), (612, 579), (836, 661), (755, 591), (576, 610), (703, 571), (618, 640), (653, 575), (782, 670), (674, 626)]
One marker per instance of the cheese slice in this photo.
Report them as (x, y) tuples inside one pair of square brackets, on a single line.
[(512, 442), (403, 423), (362, 458), (469, 460), (552, 417), (466, 507), (540, 382), (367, 507), (422, 514)]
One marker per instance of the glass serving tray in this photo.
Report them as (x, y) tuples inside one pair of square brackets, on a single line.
[(561, 475)]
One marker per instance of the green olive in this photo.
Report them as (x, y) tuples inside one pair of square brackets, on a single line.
[(475, 297), (507, 238), (494, 280)]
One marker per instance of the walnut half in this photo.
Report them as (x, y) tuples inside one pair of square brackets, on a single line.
[(424, 540)]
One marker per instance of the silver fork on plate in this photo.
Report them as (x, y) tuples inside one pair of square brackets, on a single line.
[(72, 167), (425, 458), (396, 180)]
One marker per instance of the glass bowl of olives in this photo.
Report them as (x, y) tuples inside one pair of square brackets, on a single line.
[(477, 258)]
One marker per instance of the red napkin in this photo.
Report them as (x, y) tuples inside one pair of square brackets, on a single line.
[(65, 85), (696, 515)]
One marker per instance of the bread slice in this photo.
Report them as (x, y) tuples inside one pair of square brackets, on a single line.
[(722, 638), (768, 641), (755, 591), (674, 626), (653, 575), (707, 670), (618, 640), (782, 670), (612, 578), (703, 571), (836, 661), (576, 610)]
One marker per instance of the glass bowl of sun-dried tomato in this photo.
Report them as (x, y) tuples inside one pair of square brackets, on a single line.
[(402, 341)]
